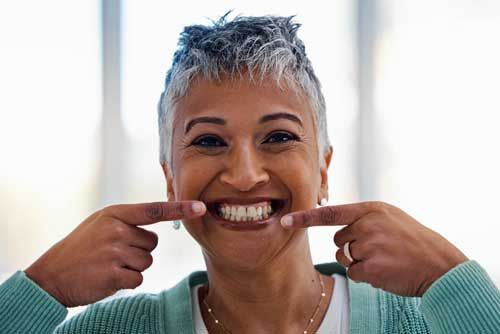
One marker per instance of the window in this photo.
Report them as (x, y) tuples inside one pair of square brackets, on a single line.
[(49, 117), (436, 107)]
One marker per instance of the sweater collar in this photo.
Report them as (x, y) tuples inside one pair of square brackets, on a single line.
[(176, 307)]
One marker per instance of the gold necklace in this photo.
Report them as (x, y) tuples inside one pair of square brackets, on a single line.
[(305, 331)]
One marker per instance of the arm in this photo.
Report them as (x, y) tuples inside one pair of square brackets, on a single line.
[(26, 308), (107, 252), (387, 248), (464, 300)]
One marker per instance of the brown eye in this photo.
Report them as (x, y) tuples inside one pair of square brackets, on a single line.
[(209, 141), (280, 137)]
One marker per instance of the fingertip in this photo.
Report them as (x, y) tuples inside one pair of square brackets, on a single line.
[(198, 208), (287, 221)]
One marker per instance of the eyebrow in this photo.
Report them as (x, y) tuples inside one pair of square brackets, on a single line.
[(221, 121)]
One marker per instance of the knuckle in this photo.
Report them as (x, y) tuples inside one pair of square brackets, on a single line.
[(338, 239), (114, 280), (340, 215), (154, 240), (136, 280), (338, 255), (364, 247), (104, 219), (99, 216), (305, 218), (148, 260), (120, 230), (155, 211), (364, 226), (359, 226), (357, 250), (108, 210), (379, 206), (180, 209), (354, 273), (109, 227), (116, 252), (327, 215)]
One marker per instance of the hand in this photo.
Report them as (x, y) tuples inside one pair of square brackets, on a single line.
[(391, 250), (106, 252)]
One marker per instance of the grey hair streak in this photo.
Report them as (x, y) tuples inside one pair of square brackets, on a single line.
[(263, 46)]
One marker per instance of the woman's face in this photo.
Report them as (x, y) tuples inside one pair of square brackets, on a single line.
[(240, 143)]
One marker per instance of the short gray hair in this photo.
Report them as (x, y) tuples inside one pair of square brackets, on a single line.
[(264, 46)]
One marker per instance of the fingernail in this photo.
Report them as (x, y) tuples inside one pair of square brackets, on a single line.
[(198, 207), (287, 221)]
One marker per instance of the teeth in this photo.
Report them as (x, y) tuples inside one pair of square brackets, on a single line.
[(241, 213), (251, 212)]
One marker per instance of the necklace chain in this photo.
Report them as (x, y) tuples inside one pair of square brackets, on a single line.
[(305, 331)]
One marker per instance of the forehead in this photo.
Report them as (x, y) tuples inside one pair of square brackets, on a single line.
[(241, 99)]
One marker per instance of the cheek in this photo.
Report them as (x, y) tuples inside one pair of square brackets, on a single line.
[(190, 181), (296, 169), (300, 174), (191, 178)]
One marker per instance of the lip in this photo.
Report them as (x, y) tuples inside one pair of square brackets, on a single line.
[(248, 225), (235, 200)]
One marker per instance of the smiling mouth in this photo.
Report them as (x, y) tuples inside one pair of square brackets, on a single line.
[(246, 216)]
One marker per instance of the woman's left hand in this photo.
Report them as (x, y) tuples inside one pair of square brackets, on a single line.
[(391, 250)]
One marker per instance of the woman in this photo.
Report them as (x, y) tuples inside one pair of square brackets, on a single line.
[(243, 144)]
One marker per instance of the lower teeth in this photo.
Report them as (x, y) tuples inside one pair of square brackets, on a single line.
[(233, 218), (244, 218)]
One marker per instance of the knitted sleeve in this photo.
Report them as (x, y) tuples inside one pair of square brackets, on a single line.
[(26, 308), (464, 300), (134, 314), (401, 315)]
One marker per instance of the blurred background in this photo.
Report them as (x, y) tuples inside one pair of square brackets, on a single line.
[(412, 92)]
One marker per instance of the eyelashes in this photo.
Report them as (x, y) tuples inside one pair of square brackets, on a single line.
[(275, 138), (283, 135), (208, 141)]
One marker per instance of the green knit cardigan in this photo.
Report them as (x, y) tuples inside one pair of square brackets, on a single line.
[(464, 300)]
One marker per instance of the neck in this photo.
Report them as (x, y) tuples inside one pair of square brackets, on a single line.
[(279, 296)]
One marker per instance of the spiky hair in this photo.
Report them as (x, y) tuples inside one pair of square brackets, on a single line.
[(263, 46)]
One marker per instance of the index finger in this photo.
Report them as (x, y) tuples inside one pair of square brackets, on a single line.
[(344, 214), (150, 213)]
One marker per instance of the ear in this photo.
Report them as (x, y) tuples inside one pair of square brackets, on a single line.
[(325, 163), (170, 182)]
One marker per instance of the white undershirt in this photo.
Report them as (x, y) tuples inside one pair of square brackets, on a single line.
[(336, 320)]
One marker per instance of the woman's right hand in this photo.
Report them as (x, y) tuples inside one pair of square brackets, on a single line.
[(106, 252)]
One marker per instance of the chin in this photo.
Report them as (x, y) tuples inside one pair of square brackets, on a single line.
[(252, 251)]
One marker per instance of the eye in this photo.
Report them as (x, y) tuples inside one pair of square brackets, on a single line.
[(208, 141), (280, 137)]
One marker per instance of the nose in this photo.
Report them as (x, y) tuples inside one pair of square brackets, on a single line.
[(244, 170)]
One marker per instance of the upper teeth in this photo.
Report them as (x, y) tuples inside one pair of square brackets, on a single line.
[(252, 212)]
